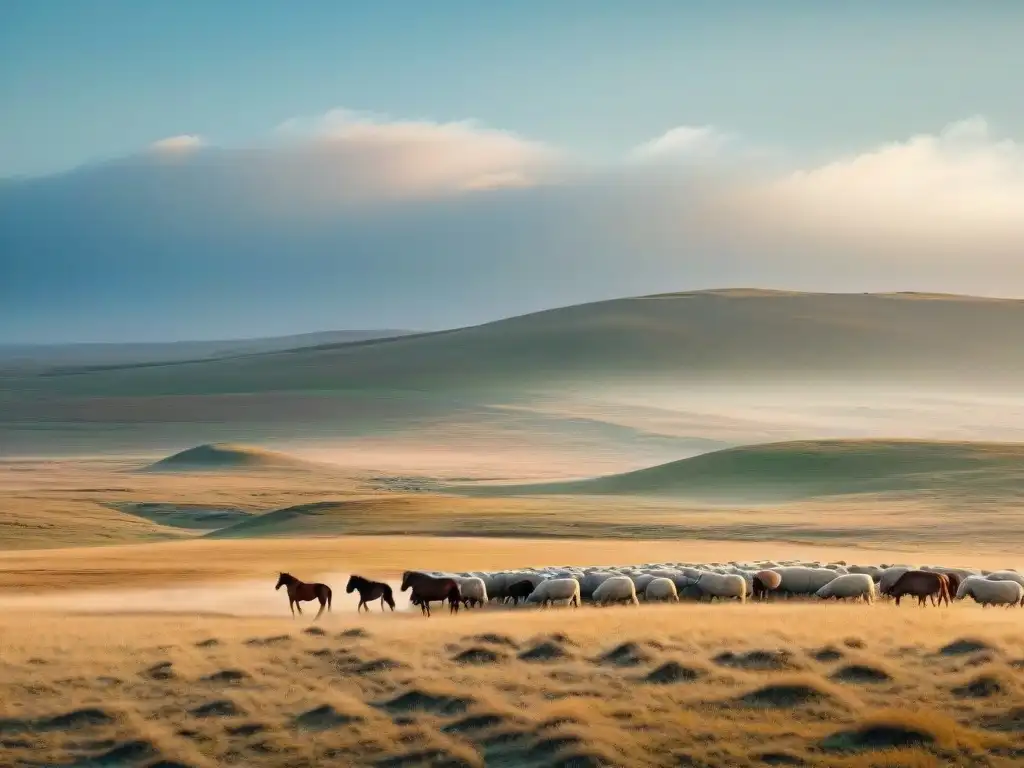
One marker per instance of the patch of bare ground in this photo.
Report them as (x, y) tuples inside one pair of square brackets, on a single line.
[(827, 655), (903, 729), (862, 673), (964, 645), (628, 654), (673, 671), (790, 693), (983, 686), (761, 660), (479, 655)]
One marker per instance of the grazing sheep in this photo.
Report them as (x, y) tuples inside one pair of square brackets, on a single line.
[(616, 589), (661, 590), (922, 585), (1006, 576), (804, 580), (521, 590), (765, 582), (855, 585), (641, 580), (871, 570), (474, 590), (594, 579), (723, 586), (988, 592), (550, 590), (691, 592)]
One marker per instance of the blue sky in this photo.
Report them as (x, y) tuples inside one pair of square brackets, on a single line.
[(83, 81), (206, 170)]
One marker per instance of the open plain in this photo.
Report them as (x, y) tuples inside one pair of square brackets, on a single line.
[(146, 510)]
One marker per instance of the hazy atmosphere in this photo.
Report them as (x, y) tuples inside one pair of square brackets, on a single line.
[(555, 385), (162, 179)]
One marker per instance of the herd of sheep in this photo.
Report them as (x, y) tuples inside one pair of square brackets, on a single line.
[(672, 582)]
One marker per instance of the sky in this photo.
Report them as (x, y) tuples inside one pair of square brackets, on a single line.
[(207, 170)]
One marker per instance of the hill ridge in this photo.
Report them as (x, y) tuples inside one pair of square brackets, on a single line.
[(219, 457), (790, 470)]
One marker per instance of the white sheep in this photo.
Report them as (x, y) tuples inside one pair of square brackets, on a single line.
[(550, 590), (723, 585), (855, 585), (594, 579), (803, 580), (989, 592), (641, 580), (1006, 576), (661, 590), (473, 589), (871, 570), (616, 589)]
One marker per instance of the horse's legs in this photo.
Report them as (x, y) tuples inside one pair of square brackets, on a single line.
[(359, 607), (298, 607), (291, 604), (323, 604)]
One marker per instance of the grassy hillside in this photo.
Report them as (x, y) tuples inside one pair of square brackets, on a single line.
[(698, 336), (34, 523), (794, 470), (464, 381), (226, 457), (41, 356)]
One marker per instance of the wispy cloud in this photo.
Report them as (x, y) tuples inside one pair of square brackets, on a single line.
[(182, 143)]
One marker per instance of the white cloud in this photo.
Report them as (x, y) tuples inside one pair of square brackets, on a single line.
[(958, 190), (684, 142), (414, 158), (182, 143)]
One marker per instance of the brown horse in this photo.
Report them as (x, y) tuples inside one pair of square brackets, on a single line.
[(426, 588), (370, 590), (922, 585), (301, 592)]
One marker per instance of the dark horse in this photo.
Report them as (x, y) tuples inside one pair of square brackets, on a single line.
[(370, 590), (426, 588), (301, 592)]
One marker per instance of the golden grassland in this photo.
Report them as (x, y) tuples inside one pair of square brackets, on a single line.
[(699, 685), (86, 502), (169, 648), (182, 654)]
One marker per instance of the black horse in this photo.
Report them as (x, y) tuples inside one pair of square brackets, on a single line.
[(370, 590)]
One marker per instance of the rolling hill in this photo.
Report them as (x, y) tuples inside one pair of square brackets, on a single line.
[(70, 357), (798, 470), (463, 379), (686, 337), (226, 457)]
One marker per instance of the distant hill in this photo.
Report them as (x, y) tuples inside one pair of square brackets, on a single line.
[(226, 457), (703, 336), (795, 470), (77, 356), (347, 517), (510, 379)]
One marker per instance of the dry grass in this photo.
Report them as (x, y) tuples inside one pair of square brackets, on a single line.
[(401, 690), (85, 502)]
